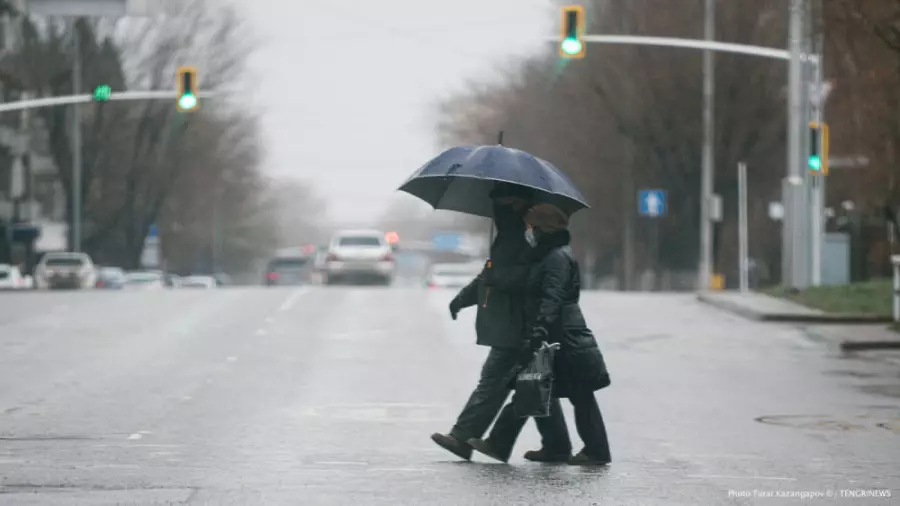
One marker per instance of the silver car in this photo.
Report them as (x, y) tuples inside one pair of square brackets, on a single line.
[(359, 256), (66, 270)]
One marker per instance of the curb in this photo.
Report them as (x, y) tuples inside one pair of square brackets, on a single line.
[(825, 318), (870, 345)]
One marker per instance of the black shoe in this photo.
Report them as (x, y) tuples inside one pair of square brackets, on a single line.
[(543, 455), (484, 447), (583, 459), (453, 445)]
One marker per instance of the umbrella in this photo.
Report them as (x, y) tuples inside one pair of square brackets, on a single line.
[(461, 178)]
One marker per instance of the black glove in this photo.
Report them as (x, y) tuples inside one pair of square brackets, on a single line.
[(538, 336), (455, 307)]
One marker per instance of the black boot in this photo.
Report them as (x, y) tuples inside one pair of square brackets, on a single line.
[(543, 455), (583, 459), (484, 446), (453, 445)]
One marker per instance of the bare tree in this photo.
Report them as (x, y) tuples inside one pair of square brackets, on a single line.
[(626, 118)]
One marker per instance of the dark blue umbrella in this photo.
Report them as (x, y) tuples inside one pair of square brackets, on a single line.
[(461, 178)]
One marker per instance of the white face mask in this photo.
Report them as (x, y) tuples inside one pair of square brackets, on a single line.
[(529, 237)]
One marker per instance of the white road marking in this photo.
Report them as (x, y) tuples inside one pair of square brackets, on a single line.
[(337, 463), (186, 398), (231, 359), (291, 299), (144, 432), (135, 436), (261, 332)]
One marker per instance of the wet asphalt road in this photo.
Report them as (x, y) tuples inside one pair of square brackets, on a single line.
[(327, 396)]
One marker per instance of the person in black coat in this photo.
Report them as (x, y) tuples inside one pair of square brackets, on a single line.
[(498, 293), (553, 315)]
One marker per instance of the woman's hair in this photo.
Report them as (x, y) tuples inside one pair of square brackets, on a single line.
[(547, 218)]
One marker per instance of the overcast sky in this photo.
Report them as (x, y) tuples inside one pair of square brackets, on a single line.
[(349, 87)]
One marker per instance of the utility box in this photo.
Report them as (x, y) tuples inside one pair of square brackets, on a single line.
[(836, 259)]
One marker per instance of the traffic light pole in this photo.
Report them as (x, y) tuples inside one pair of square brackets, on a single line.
[(76, 143), (794, 261), (85, 98), (707, 172)]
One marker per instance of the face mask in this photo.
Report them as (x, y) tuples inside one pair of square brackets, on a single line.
[(530, 238)]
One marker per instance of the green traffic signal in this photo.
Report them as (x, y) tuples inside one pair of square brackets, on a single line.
[(187, 101), (571, 46), (815, 163), (102, 93)]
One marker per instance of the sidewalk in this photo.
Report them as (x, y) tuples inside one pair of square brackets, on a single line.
[(758, 306), (854, 332)]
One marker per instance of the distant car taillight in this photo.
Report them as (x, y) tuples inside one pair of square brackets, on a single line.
[(272, 276)]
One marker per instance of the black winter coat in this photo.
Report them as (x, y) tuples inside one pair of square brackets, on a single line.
[(499, 291), (553, 290)]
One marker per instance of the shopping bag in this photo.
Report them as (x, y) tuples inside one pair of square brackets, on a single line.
[(534, 384)]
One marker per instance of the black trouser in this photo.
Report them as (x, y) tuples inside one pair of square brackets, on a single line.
[(499, 369), (554, 433)]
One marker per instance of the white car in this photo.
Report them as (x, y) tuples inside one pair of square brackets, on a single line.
[(197, 282), (66, 270), (359, 255), (11, 278), (145, 280), (453, 275)]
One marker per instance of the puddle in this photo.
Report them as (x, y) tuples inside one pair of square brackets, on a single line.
[(832, 423), (48, 438), (886, 390)]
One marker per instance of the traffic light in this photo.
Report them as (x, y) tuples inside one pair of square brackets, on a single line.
[(188, 98), (818, 148), (102, 93), (392, 238), (571, 44)]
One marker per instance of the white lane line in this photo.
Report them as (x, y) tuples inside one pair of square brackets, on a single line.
[(231, 359), (135, 436), (289, 301), (261, 332), (186, 398)]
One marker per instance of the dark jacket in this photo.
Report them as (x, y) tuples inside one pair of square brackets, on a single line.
[(553, 290), (499, 293)]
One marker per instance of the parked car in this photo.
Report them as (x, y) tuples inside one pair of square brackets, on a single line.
[(294, 270), (145, 280), (110, 278), (452, 275), (198, 282), (359, 255), (11, 278), (66, 270)]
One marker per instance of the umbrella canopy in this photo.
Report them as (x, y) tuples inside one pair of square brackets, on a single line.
[(461, 179)]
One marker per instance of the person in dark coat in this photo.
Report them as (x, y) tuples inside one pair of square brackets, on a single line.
[(499, 294), (554, 316)]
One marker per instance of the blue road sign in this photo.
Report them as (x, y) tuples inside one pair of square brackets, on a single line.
[(153, 232), (652, 203), (447, 241)]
